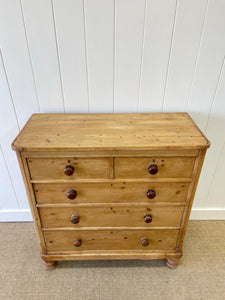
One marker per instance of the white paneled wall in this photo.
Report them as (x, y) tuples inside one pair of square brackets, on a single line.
[(113, 56)]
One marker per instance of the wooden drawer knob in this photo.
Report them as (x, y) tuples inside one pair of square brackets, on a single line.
[(75, 219), (148, 218), (71, 194), (68, 170), (77, 242), (150, 194), (144, 242), (153, 169)]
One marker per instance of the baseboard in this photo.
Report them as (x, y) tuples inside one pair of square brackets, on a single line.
[(196, 214), (208, 213), (10, 215)]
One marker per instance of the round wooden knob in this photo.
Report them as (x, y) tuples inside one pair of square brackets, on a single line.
[(68, 170), (75, 219), (144, 242), (150, 194), (148, 218), (77, 242), (153, 169), (71, 194)]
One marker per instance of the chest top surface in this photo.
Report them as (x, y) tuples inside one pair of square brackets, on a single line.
[(144, 131)]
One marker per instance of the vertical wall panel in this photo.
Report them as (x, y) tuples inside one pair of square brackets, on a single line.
[(39, 24), (8, 199), (212, 171), (8, 121), (157, 41), (112, 55), (69, 20), (216, 194), (184, 49), (16, 58), (99, 22), (129, 30), (209, 63)]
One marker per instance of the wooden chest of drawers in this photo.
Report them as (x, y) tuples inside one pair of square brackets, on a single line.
[(110, 186)]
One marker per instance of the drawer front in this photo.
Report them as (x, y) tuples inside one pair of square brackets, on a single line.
[(110, 240), (68, 168), (123, 192), (153, 167), (111, 216)]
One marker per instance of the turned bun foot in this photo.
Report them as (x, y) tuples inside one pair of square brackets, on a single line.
[(49, 264), (172, 263)]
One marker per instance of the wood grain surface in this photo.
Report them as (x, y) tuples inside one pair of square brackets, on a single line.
[(111, 240), (84, 168), (115, 192), (111, 216), (111, 183), (137, 167), (49, 132)]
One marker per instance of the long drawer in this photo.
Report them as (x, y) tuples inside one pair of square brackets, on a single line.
[(111, 216), (68, 168), (110, 240), (111, 192), (153, 167)]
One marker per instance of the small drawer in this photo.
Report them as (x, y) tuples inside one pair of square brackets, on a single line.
[(153, 167), (68, 168), (75, 240), (111, 216), (119, 192)]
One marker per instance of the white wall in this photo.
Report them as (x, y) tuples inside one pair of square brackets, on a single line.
[(113, 56)]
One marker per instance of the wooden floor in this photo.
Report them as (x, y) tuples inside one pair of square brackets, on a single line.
[(200, 274)]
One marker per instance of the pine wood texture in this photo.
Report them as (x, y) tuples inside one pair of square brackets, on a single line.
[(31, 199), (111, 192), (172, 263), (49, 132), (111, 240), (137, 167), (111, 254), (84, 168), (49, 264), (112, 216), (110, 186)]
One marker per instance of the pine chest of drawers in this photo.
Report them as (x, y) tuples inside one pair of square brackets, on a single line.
[(110, 186)]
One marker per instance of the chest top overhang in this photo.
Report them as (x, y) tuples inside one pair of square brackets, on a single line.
[(87, 132)]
